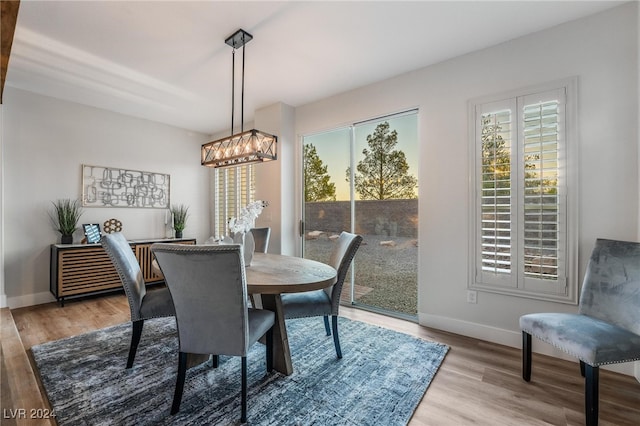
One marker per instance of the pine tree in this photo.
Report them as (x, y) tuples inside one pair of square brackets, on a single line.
[(383, 174), (317, 184)]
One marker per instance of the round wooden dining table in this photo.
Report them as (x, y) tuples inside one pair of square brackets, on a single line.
[(277, 274), (271, 275)]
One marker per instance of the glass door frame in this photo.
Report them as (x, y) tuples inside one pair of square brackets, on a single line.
[(352, 129)]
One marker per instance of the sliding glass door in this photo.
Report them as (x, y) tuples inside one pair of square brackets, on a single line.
[(363, 179)]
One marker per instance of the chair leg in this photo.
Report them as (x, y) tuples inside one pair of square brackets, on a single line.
[(243, 414), (214, 361), (326, 325), (269, 350), (135, 339), (182, 371), (526, 356), (591, 395), (582, 368), (336, 340)]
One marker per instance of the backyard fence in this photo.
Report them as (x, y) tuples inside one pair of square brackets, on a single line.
[(392, 218)]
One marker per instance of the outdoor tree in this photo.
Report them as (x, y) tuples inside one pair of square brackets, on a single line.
[(317, 184), (496, 164), (383, 174), (496, 158)]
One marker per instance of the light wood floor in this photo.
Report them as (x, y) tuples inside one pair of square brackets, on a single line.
[(478, 383)]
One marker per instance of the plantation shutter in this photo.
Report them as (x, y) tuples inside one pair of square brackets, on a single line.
[(496, 233), (520, 226), (543, 201), (234, 189)]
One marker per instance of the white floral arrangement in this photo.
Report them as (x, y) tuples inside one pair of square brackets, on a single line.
[(248, 215)]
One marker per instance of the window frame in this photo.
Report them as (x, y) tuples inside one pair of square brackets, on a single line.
[(515, 283)]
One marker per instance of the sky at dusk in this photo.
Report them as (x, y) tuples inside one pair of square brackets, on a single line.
[(333, 147)]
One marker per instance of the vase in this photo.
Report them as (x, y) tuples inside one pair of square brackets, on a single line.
[(66, 239), (178, 234), (248, 243)]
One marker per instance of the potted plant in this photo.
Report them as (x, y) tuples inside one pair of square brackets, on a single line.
[(65, 216), (180, 214)]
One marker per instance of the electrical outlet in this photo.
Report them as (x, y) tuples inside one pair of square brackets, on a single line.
[(472, 296)]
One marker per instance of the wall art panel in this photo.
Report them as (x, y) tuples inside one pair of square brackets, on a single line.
[(117, 187)]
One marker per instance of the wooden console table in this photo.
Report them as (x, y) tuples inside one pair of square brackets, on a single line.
[(82, 269)]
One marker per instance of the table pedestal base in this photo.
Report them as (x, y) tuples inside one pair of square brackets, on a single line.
[(281, 352)]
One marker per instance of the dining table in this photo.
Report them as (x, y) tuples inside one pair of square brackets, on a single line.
[(271, 275)]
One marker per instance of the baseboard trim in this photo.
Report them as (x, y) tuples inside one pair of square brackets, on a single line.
[(3, 301), (508, 338), (30, 300)]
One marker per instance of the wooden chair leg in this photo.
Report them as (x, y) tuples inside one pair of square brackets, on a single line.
[(243, 414), (582, 368), (591, 395), (136, 332), (182, 371), (269, 350), (326, 325), (526, 356), (336, 340)]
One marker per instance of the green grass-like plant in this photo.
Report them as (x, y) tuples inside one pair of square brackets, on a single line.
[(180, 214), (65, 215)]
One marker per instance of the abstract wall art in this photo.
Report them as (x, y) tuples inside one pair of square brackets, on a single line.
[(118, 187)]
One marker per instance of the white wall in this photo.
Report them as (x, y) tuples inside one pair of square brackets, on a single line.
[(637, 363), (606, 64), (45, 142), (3, 294), (274, 180)]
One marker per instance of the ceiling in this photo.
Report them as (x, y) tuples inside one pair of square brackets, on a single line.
[(166, 61)]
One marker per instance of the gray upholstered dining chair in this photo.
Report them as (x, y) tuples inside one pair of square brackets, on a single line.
[(325, 302), (606, 329), (143, 305), (209, 291), (261, 238)]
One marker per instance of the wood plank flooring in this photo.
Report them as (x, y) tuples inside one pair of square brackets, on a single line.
[(479, 383)]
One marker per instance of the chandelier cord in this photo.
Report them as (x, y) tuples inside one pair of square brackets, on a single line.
[(242, 95), (233, 85)]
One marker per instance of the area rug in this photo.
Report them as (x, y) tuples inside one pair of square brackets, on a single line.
[(379, 381)]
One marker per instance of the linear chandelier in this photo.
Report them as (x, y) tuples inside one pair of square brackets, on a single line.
[(247, 147)]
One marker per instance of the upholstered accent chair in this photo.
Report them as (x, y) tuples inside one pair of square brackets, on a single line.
[(142, 303), (261, 238), (606, 329), (326, 302), (209, 291)]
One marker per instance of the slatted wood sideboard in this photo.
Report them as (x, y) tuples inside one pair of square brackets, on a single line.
[(84, 269)]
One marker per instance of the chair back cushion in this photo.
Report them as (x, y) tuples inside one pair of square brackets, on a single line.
[(128, 268), (341, 256), (611, 287), (209, 292), (261, 238)]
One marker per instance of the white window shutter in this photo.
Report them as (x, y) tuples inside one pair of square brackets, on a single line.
[(496, 191), (543, 202), (234, 189), (524, 239)]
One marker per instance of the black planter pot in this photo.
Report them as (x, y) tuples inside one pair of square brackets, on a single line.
[(66, 239), (178, 234)]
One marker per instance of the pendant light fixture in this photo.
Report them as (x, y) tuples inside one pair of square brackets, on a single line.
[(245, 147)]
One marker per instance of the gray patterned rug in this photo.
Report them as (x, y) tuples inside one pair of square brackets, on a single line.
[(379, 381)]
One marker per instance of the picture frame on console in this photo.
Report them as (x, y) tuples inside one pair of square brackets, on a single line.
[(92, 232)]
